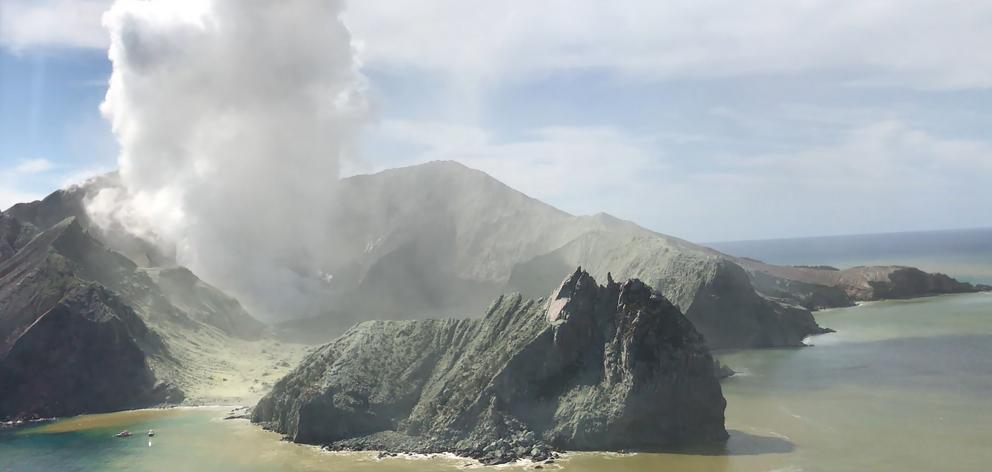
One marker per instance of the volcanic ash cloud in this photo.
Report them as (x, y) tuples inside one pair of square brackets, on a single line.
[(232, 118)]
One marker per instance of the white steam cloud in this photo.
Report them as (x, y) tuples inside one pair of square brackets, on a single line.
[(232, 118)]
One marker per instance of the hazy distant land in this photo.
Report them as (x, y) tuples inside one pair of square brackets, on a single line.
[(965, 254)]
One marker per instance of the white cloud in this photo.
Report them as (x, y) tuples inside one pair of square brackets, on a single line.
[(559, 164), (16, 182), (32, 179), (65, 23), (878, 176), (886, 154), (33, 166), (924, 43), (871, 173), (917, 43), (27, 180)]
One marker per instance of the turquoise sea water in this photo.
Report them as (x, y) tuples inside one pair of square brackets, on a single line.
[(902, 386)]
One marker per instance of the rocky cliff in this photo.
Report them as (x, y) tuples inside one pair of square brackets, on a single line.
[(592, 368), (83, 329), (87, 353), (828, 287), (67, 344), (131, 266), (714, 292)]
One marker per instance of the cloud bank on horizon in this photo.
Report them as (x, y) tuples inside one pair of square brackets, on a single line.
[(232, 118), (709, 120)]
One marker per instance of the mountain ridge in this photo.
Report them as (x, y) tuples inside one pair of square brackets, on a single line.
[(442, 221), (83, 329), (442, 239)]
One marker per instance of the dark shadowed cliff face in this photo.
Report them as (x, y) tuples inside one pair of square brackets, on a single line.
[(83, 329), (85, 354), (909, 282), (68, 345), (593, 368), (758, 321)]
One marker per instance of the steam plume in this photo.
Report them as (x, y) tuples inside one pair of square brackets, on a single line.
[(232, 118)]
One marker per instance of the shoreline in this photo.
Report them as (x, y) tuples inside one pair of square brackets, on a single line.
[(366, 455), (862, 303), (18, 424), (234, 408), (15, 424)]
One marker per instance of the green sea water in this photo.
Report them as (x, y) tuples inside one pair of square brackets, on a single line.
[(902, 386)]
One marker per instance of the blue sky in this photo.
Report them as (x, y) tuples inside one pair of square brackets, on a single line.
[(50, 125), (706, 120)]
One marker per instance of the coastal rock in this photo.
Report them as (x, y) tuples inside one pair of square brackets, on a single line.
[(69, 345), (902, 282), (723, 371), (808, 295), (593, 368), (86, 354), (713, 291), (828, 287)]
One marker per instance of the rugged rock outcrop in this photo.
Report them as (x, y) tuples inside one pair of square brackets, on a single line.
[(714, 292), (83, 329), (69, 345), (877, 283), (828, 287), (85, 354), (592, 368), (133, 267)]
